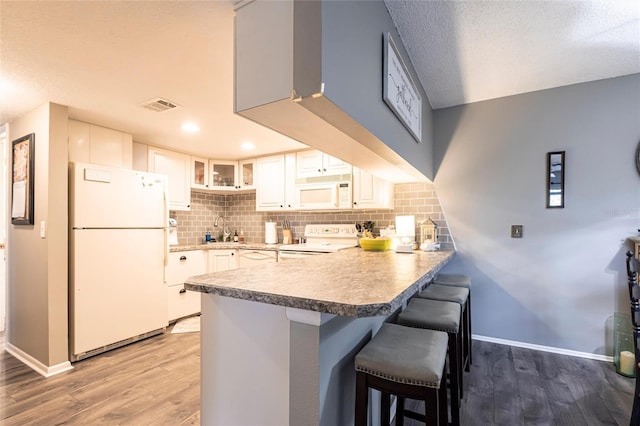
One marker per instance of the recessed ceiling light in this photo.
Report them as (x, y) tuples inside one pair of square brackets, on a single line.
[(190, 127), (248, 146)]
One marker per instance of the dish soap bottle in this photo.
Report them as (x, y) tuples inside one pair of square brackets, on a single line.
[(235, 236)]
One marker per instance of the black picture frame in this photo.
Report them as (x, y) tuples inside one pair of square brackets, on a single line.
[(399, 91), (22, 180), (638, 158), (555, 190)]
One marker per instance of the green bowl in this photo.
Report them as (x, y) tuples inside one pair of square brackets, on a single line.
[(377, 244)]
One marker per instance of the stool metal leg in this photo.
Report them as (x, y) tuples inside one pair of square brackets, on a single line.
[(385, 408), (362, 399), (443, 416), (469, 331), (455, 376), (400, 411)]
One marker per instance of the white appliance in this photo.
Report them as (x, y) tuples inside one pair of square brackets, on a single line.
[(321, 239), (118, 250), (323, 196)]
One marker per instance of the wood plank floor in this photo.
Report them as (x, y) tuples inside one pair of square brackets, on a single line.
[(152, 382), (513, 386), (156, 382)]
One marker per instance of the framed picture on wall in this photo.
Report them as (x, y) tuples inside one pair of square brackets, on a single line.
[(399, 91), (22, 180)]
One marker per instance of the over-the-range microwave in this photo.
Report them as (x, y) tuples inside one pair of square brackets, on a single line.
[(324, 196)]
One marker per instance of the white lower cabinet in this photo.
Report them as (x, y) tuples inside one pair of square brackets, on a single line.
[(182, 265), (222, 260)]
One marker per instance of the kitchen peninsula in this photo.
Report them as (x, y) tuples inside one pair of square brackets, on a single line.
[(278, 342)]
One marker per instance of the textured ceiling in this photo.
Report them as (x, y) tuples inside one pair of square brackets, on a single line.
[(469, 51), (103, 58)]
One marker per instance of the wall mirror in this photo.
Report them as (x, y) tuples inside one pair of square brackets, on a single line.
[(555, 179)]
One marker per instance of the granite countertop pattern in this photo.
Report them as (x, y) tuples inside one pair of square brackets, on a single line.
[(224, 246), (352, 282)]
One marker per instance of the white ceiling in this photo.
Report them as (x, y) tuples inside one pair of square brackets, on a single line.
[(103, 58), (469, 51)]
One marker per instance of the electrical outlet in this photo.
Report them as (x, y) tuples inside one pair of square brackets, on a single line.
[(516, 231)]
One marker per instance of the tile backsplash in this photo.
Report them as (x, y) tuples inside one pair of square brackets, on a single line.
[(418, 199)]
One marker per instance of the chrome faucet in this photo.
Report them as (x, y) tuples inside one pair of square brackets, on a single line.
[(225, 234)]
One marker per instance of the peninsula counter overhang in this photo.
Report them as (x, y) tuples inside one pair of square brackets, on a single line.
[(353, 282)]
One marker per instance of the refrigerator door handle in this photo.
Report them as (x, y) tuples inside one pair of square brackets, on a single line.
[(166, 231)]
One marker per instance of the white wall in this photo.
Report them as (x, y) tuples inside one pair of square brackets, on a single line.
[(560, 284)]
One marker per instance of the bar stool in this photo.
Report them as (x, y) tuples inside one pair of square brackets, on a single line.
[(460, 280), (406, 362), (458, 295), (440, 316)]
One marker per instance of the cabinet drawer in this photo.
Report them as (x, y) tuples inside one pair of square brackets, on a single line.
[(184, 264), (182, 302)]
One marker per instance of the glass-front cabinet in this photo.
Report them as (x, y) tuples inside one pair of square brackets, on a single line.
[(223, 174), (199, 173), (246, 170)]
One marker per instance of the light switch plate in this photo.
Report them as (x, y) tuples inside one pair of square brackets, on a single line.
[(43, 229), (516, 231)]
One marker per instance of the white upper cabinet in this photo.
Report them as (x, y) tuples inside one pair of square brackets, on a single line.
[(199, 173), (371, 192), (93, 144), (177, 167), (314, 163), (275, 179)]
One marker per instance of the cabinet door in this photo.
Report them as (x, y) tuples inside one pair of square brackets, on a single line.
[(176, 167), (290, 181), (270, 183), (371, 192), (110, 147), (245, 171), (309, 163), (199, 173), (223, 175), (334, 166), (93, 144), (222, 260)]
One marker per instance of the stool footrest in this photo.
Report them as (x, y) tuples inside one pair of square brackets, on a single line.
[(415, 416)]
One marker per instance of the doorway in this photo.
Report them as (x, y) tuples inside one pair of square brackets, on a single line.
[(4, 185)]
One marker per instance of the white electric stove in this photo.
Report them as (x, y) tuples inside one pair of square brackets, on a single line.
[(320, 239)]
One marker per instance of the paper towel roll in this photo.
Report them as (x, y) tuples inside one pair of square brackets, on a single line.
[(270, 233)]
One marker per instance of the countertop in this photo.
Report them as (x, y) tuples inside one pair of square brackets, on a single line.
[(224, 246), (351, 282)]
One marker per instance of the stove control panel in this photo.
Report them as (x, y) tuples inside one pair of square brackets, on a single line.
[(330, 230)]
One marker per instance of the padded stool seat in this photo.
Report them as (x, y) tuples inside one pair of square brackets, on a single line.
[(456, 280), (445, 293), (407, 362), (462, 296), (442, 316)]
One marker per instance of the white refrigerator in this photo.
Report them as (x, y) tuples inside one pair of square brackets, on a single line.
[(118, 251)]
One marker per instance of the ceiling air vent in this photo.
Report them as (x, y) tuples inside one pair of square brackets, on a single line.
[(159, 105)]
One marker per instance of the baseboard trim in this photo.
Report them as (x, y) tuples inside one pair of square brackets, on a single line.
[(543, 348), (34, 364)]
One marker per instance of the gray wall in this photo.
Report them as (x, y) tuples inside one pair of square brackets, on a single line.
[(37, 267), (560, 284), (352, 58)]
